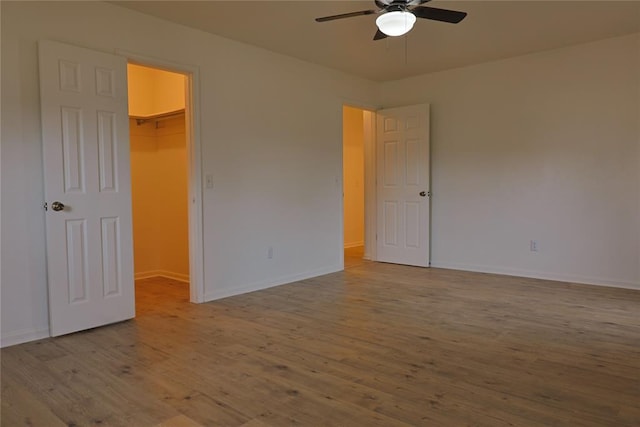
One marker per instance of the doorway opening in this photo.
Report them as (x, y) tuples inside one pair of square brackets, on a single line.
[(356, 143), (160, 171)]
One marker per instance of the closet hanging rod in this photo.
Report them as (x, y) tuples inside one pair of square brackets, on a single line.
[(140, 120)]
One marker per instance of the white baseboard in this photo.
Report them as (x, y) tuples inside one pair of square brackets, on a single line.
[(22, 336), (257, 286), (537, 275), (353, 244), (162, 273)]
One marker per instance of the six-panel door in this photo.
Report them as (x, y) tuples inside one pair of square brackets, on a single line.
[(403, 185), (86, 166)]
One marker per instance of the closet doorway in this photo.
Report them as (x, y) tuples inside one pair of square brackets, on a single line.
[(353, 180), (159, 186)]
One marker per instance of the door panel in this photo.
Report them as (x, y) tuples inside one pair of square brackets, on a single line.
[(107, 151), (412, 221), (77, 260), (403, 176), (111, 266), (390, 164), (86, 167), (390, 223), (73, 148)]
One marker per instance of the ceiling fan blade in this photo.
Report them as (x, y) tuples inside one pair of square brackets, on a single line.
[(436, 14), (379, 35), (345, 15)]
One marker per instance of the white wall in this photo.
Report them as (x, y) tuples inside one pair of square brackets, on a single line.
[(542, 147), (271, 137)]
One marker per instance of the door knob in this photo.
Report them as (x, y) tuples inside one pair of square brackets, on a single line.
[(423, 193), (57, 206)]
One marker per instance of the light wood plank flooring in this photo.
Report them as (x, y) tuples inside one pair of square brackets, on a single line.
[(375, 345)]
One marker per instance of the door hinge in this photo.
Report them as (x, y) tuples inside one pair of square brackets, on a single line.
[(46, 206)]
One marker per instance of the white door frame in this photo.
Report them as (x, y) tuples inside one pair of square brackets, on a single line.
[(370, 195), (194, 155)]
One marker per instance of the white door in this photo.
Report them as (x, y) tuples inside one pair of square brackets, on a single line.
[(85, 132), (402, 141)]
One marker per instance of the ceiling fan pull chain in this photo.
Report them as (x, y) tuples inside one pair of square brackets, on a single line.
[(406, 50)]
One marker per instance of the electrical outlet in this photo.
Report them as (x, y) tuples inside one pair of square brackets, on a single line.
[(270, 252), (533, 245)]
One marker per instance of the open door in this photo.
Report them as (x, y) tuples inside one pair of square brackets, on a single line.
[(402, 194), (88, 198)]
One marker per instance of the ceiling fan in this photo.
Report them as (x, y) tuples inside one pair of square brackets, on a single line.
[(398, 16)]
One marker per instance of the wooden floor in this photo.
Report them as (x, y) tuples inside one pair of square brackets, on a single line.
[(375, 345)]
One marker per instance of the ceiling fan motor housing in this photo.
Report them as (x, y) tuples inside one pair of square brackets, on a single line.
[(397, 5)]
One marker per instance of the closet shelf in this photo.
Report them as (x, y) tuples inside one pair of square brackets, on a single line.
[(140, 120)]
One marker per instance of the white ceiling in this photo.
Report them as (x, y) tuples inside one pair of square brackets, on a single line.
[(492, 30)]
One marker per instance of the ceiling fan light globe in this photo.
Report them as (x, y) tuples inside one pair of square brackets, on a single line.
[(396, 23)]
